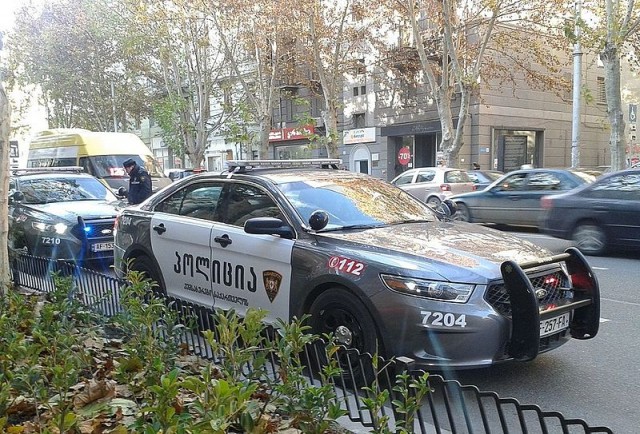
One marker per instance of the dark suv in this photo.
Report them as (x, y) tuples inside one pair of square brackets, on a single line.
[(61, 213)]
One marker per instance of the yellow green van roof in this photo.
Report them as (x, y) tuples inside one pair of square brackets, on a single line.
[(90, 142)]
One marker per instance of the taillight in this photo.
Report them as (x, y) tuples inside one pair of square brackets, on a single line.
[(474, 187), (546, 202), (445, 187)]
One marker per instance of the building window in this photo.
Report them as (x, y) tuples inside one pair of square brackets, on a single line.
[(362, 90), (228, 100), (358, 120), (361, 68), (602, 93)]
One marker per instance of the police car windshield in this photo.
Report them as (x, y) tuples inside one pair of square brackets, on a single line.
[(355, 202), (52, 190)]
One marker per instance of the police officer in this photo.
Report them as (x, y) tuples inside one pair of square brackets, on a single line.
[(139, 182)]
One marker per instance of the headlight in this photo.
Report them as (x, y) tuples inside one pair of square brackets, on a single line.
[(433, 289), (58, 228)]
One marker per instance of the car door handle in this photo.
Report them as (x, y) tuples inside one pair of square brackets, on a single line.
[(223, 240), (160, 229), (514, 197)]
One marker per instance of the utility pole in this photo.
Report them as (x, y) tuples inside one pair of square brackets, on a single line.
[(577, 85)]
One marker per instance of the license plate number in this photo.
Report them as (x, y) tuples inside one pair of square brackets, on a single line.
[(101, 247), (553, 325)]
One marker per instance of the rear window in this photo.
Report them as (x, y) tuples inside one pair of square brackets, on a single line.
[(453, 176)]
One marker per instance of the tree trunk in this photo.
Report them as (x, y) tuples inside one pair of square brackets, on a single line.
[(611, 60), (265, 128), (331, 127), (5, 123)]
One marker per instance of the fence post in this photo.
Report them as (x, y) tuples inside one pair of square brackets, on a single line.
[(15, 272)]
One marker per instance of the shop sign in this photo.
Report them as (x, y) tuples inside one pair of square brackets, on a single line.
[(404, 155), (359, 135), (294, 133)]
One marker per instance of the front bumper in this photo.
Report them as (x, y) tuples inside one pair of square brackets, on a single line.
[(524, 343), (481, 332)]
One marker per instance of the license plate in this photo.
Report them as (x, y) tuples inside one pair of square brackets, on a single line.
[(102, 247), (554, 325)]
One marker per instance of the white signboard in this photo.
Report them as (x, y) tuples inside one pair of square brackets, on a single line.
[(359, 135)]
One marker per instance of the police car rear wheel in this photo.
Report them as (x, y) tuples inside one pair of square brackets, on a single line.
[(342, 314)]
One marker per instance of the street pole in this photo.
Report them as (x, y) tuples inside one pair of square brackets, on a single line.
[(113, 103), (577, 85)]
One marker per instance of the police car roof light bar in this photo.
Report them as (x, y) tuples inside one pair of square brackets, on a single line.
[(243, 165), (64, 169)]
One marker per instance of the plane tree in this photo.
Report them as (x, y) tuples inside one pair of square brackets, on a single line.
[(611, 29), (75, 53), (332, 46), (450, 47), (187, 60)]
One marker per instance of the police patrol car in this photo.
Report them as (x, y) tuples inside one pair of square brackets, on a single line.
[(370, 263)]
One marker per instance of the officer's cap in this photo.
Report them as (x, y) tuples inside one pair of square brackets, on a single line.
[(129, 162)]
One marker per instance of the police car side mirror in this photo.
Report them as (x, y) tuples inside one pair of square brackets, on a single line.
[(122, 191), (318, 220), (268, 226)]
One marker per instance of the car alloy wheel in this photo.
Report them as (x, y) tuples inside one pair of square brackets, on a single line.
[(337, 312), (590, 239), (433, 202), (462, 214)]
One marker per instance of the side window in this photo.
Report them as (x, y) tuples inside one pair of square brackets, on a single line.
[(197, 201), (404, 179), (620, 187), (544, 181), (242, 202), (513, 182), (426, 176)]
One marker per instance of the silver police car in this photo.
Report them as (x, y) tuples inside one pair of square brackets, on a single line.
[(371, 264)]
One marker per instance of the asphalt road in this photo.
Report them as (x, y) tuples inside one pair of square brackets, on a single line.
[(595, 380)]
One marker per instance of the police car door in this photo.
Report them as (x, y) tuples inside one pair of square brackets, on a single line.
[(180, 232), (249, 270)]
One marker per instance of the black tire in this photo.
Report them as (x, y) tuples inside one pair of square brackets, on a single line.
[(462, 214), (338, 312), (145, 265), (590, 238)]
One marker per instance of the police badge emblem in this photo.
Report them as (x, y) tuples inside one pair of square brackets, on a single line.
[(272, 280)]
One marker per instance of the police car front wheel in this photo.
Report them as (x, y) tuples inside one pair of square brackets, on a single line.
[(341, 314)]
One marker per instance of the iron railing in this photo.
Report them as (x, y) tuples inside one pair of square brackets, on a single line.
[(450, 407)]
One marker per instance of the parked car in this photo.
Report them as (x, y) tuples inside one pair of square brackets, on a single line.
[(61, 213), (175, 174), (432, 185), (599, 216), (483, 178), (514, 199), (380, 270)]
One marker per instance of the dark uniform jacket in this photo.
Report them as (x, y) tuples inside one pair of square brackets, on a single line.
[(139, 185)]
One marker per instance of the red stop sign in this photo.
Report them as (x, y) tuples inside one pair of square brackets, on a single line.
[(404, 155)]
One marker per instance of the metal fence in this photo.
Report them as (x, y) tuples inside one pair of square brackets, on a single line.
[(450, 407)]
